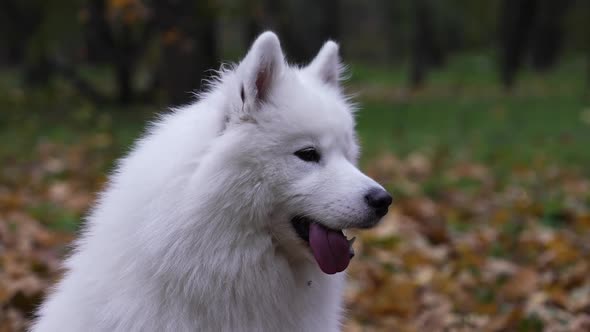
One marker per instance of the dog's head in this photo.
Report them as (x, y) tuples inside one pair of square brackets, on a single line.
[(298, 129)]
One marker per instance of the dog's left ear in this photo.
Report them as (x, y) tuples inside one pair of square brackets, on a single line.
[(261, 68), (326, 65)]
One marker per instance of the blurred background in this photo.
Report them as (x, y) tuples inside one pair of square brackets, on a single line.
[(474, 114)]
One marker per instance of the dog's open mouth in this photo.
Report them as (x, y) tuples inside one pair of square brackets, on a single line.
[(331, 249)]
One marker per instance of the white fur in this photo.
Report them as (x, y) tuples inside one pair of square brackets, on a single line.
[(193, 231)]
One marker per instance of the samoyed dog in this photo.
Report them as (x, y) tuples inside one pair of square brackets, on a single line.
[(228, 214)]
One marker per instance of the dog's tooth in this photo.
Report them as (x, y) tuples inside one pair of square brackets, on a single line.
[(350, 248)]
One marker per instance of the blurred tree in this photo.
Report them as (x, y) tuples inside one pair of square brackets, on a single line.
[(27, 16), (476, 20), (530, 27), (426, 51), (398, 23), (516, 19), (259, 17), (189, 47), (548, 33), (166, 45), (33, 35), (118, 32), (302, 25)]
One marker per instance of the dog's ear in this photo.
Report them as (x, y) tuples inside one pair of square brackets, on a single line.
[(326, 65), (261, 68)]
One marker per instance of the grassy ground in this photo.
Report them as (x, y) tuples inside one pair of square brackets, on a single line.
[(462, 110), (489, 230)]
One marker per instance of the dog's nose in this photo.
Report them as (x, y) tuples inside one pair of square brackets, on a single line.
[(379, 200)]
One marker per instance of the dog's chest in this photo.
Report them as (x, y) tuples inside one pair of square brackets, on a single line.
[(317, 302)]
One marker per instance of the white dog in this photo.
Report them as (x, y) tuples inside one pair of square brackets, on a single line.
[(228, 214)]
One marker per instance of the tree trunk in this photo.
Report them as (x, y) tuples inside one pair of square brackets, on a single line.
[(424, 48), (547, 36), (188, 36), (516, 20)]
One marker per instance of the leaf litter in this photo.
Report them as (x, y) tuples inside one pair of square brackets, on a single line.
[(464, 247)]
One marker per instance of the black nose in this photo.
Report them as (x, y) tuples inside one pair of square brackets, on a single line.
[(379, 200)]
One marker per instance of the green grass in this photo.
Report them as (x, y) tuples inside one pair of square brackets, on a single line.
[(464, 111), (55, 218), (503, 129)]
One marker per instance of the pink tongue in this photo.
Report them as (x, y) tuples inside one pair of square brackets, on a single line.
[(330, 248)]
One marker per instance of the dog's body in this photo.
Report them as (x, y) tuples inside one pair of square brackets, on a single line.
[(195, 230)]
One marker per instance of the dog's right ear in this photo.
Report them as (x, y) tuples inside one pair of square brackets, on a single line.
[(260, 69)]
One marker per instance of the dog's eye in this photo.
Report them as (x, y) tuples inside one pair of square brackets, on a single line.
[(308, 154)]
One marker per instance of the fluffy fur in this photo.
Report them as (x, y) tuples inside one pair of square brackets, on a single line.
[(193, 231)]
